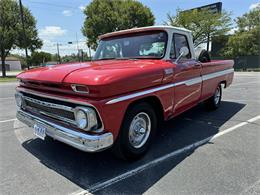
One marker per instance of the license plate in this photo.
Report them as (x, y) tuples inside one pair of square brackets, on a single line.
[(39, 131)]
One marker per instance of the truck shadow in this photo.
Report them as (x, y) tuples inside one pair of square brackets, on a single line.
[(86, 169)]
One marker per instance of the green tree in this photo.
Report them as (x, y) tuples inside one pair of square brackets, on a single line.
[(29, 38), (11, 30), (103, 16), (245, 41), (39, 57), (55, 57), (70, 58), (75, 58), (249, 20), (203, 24)]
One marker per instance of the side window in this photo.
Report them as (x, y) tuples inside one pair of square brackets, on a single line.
[(179, 42)]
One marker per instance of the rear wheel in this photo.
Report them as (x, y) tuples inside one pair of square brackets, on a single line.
[(136, 133), (214, 102)]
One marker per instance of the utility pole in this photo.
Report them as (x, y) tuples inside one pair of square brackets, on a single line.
[(58, 52), (24, 35), (89, 50), (77, 46), (81, 55), (208, 40)]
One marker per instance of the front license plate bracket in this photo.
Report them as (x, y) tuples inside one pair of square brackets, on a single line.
[(39, 130)]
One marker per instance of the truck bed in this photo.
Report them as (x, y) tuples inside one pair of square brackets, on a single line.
[(216, 65)]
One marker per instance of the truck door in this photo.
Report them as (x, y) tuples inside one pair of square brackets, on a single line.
[(187, 76)]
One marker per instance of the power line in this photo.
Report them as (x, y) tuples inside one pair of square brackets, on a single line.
[(53, 4), (52, 9), (64, 41)]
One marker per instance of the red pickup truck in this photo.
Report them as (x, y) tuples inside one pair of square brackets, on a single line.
[(137, 78)]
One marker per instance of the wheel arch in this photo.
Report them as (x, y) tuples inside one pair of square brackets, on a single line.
[(224, 83), (154, 102)]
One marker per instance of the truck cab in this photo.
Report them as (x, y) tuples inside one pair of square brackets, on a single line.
[(137, 78)]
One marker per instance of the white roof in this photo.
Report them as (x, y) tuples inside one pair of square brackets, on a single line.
[(140, 29), (165, 27)]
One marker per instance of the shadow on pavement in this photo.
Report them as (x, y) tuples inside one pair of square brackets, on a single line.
[(86, 169)]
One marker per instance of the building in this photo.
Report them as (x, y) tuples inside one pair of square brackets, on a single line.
[(12, 64)]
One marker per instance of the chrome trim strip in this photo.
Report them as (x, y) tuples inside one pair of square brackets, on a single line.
[(59, 117), (217, 74), (81, 141), (120, 99), (53, 97), (48, 104), (51, 105), (191, 81), (187, 82)]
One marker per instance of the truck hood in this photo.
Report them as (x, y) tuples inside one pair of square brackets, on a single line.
[(104, 78)]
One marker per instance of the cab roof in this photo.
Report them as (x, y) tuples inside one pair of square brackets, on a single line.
[(142, 29)]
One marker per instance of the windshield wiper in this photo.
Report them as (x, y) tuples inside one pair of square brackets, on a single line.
[(125, 58), (121, 58), (104, 59)]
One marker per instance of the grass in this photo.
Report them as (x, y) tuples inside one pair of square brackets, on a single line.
[(8, 79)]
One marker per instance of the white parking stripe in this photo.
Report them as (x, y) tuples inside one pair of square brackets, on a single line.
[(81, 192), (234, 85), (240, 100), (101, 185), (5, 98), (4, 121)]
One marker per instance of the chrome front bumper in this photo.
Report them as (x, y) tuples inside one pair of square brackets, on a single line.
[(81, 141)]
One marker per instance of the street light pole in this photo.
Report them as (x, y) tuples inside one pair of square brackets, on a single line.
[(24, 35)]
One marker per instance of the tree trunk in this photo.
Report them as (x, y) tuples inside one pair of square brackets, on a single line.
[(3, 66)]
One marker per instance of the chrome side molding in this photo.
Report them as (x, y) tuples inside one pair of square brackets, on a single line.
[(186, 82)]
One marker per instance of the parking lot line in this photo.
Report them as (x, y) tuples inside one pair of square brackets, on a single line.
[(245, 83), (4, 121), (5, 98), (101, 185)]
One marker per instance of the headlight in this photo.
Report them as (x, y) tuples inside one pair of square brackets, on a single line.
[(81, 119), (86, 118), (19, 99)]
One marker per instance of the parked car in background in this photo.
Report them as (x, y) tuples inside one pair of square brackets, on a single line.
[(51, 63)]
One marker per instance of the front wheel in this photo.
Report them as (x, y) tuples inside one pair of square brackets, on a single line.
[(136, 133), (214, 102)]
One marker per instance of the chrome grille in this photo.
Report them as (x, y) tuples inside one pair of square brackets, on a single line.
[(57, 111)]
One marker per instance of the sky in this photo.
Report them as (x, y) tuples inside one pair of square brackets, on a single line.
[(60, 21)]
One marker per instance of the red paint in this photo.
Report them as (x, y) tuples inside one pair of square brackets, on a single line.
[(186, 96), (111, 79), (115, 78)]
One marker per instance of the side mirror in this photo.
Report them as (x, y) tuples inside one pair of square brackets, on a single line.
[(184, 51)]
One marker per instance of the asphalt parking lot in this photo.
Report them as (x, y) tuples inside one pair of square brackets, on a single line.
[(199, 152)]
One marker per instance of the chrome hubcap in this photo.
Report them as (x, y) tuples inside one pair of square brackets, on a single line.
[(217, 96), (139, 130)]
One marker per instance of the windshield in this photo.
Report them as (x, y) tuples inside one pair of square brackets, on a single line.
[(139, 45)]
